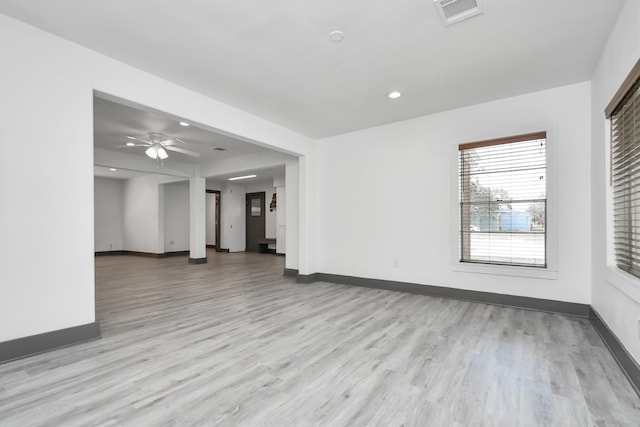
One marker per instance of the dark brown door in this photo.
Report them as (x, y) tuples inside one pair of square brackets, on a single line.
[(218, 222), (255, 220), (216, 214)]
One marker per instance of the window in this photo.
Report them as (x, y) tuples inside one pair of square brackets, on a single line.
[(624, 112), (503, 201)]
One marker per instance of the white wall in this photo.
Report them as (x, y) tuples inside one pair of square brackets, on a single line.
[(144, 214), (385, 194), (176, 216), (232, 218), (48, 227), (281, 220), (293, 211), (108, 214), (48, 89), (247, 162), (271, 227), (615, 294)]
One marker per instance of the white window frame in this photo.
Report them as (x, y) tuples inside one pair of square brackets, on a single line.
[(551, 270)]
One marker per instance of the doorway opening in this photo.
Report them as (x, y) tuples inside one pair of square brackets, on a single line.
[(213, 219)]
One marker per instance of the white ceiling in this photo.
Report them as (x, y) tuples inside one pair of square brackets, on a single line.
[(274, 58), (113, 122), (118, 173), (263, 175)]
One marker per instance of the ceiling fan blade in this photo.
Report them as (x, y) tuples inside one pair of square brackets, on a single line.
[(133, 138), (132, 145), (182, 150), (172, 141)]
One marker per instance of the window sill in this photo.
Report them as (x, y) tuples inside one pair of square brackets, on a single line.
[(506, 270), (625, 282)]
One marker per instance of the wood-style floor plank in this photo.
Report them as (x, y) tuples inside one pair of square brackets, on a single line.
[(234, 343)]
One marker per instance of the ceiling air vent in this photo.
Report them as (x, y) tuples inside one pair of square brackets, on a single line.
[(452, 11)]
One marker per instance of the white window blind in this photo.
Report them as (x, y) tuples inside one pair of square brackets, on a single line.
[(624, 112), (503, 201)]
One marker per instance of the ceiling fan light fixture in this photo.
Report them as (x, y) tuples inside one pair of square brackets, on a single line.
[(162, 153), (157, 146), (152, 152)]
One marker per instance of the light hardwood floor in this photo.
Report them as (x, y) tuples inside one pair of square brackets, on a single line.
[(234, 343)]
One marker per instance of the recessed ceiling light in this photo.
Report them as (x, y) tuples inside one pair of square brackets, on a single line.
[(394, 95), (336, 36), (242, 177), (130, 144), (184, 124), (113, 169)]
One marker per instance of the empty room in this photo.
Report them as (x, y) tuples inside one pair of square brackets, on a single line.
[(297, 213)]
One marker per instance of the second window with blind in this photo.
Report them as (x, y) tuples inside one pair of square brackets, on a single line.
[(624, 113), (503, 201)]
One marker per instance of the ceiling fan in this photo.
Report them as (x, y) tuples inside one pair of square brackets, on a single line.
[(157, 145)]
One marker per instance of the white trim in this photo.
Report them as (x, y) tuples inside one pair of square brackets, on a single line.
[(620, 279), (610, 255), (505, 270), (625, 282), (551, 271)]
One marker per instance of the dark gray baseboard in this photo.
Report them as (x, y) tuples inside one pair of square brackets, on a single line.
[(309, 278), (211, 246), (111, 253), (35, 344), (626, 362), (552, 306), (290, 272), (175, 253), (224, 250), (144, 254), (198, 260)]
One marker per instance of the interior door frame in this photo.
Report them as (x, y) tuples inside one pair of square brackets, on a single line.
[(217, 216)]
